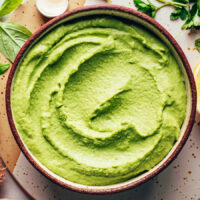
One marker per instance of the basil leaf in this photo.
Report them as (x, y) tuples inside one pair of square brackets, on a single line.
[(8, 6), (3, 67), (12, 38)]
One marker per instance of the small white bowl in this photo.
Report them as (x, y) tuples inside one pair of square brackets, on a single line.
[(51, 8)]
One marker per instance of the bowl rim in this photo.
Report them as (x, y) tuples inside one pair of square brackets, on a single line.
[(133, 183)]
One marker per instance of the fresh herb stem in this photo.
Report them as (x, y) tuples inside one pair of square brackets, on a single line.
[(149, 2), (172, 3), (166, 4), (198, 5), (159, 7), (189, 15)]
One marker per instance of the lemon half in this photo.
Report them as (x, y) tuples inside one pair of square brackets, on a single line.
[(196, 73)]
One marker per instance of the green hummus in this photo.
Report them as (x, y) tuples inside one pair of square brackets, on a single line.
[(98, 101)]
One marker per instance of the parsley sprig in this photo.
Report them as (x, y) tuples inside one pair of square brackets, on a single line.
[(188, 10), (151, 10)]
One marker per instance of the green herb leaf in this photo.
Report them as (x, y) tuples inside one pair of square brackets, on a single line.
[(182, 1), (193, 20), (3, 67), (184, 13), (198, 6), (188, 10), (151, 9), (179, 13), (197, 44), (8, 6), (147, 8), (12, 38), (175, 14)]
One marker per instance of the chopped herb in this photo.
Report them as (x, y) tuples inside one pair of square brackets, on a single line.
[(197, 44)]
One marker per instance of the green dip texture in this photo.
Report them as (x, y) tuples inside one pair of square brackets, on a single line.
[(98, 101)]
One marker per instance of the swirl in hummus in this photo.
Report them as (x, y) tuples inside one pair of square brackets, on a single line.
[(98, 101)]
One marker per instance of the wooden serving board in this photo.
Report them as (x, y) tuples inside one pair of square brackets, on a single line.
[(27, 15), (181, 180)]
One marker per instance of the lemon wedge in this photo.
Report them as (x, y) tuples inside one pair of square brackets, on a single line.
[(196, 73)]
